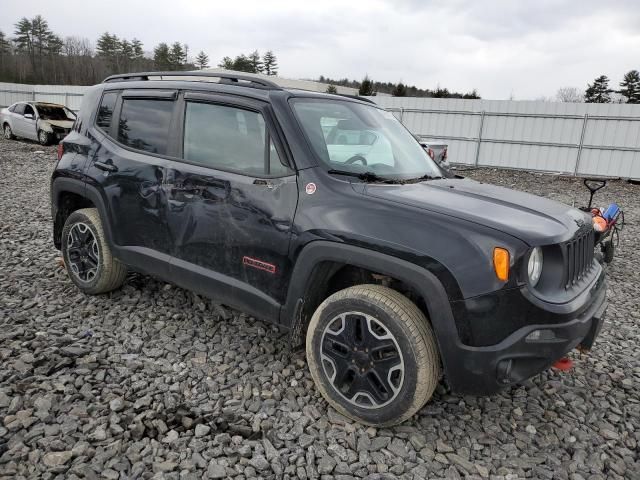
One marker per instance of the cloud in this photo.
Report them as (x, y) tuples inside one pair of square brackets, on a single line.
[(500, 47)]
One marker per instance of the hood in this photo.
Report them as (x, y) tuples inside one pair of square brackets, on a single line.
[(59, 123), (535, 220)]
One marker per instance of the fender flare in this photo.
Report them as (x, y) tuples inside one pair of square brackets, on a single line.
[(61, 185), (419, 278)]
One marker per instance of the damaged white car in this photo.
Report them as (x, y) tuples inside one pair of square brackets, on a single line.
[(40, 121)]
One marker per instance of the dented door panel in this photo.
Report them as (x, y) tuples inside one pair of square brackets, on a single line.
[(232, 225)]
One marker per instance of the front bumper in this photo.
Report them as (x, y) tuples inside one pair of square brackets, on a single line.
[(485, 370)]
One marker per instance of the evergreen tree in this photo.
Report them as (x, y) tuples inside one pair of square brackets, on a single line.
[(138, 52), (161, 57), (202, 60), (599, 91), (270, 63), (256, 63), (332, 89), (226, 63), (473, 94), (36, 39), (108, 47), (631, 86), (126, 52), (399, 90), (366, 87), (177, 56), (4, 44)]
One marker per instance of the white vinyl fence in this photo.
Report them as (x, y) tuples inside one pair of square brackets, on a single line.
[(570, 138), (68, 95), (574, 138)]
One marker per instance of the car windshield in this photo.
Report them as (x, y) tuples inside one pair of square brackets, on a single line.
[(350, 137), (47, 112)]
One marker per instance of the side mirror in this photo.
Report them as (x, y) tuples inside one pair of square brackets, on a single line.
[(28, 116)]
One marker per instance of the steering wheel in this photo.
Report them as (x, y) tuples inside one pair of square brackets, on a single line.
[(356, 158)]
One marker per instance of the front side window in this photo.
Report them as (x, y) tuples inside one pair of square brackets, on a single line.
[(229, 138), (359, 138), (105, 111), (28, 110), (144, 124)]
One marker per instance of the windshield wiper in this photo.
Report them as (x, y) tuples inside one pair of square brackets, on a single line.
[(366, 176), (425, 177)]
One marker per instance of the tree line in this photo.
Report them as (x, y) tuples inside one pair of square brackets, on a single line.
[(369, 87), (36, 54), (599, 91)]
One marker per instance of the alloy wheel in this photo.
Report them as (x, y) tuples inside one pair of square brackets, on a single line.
[(83, 252), (362, 360)]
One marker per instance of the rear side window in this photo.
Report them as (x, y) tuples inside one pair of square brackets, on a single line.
[(105, 111), (229, 138), (19, 108), (144, 124)]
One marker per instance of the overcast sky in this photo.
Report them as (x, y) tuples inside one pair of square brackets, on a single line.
[(503, 48)]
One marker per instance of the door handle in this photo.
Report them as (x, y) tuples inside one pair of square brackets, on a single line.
[(107, 167)]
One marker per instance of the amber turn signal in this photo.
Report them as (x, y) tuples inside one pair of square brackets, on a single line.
[(501, 263)]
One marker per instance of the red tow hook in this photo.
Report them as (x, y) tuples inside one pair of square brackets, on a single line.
[(564, 364)]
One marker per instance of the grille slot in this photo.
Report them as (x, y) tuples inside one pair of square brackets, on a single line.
[(578, 256)]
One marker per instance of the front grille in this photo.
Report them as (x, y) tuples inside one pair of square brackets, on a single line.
[(578, 256)]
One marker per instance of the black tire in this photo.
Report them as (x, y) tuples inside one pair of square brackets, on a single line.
[(44, 138), (389, 312), (8, 133), (103, 272), (609, 250)]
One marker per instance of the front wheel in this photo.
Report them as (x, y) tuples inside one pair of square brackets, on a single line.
[(373, 354), (8, 133), (44, 138), (87, 256)]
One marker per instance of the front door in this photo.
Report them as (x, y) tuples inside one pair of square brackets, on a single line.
[(231, 204), (129, 164)]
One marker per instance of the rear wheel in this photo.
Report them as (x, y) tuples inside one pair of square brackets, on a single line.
[(87, 256), (373, 354), (8, 133)]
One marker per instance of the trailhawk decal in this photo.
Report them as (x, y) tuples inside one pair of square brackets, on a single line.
[(259, 264)]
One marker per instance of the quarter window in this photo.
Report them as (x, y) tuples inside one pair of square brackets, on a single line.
[(144, 124), (229, 138), (105, 111)]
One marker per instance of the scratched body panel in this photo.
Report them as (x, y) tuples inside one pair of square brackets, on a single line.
[(217, 218)]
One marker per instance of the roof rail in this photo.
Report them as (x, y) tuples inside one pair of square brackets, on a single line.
[(356, 97), (228, 78)]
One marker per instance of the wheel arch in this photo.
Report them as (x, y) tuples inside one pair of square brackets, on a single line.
[(69, 195), (320, 261)]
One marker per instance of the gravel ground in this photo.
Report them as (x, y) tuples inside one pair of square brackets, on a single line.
[(152, 381)]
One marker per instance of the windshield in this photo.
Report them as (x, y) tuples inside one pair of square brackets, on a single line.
[(352, 137), (55, 113)]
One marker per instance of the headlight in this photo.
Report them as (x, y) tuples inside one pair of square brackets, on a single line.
[(535, 266)]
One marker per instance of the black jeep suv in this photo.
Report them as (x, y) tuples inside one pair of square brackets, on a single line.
[(324, 215)]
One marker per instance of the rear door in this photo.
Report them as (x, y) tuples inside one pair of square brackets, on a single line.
[(232, 199), (17, 119), (129, 165)]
